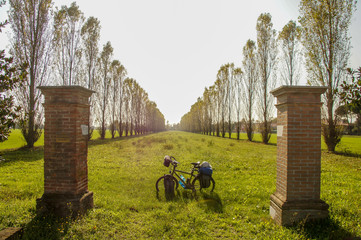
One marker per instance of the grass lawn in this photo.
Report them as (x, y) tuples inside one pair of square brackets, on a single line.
[(16, 140), (123, 172)]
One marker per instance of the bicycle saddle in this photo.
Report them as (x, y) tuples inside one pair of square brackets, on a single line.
[(196, 163)]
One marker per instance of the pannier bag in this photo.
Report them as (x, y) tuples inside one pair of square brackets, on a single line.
[(167, 161), (205, 181), (205, 171)]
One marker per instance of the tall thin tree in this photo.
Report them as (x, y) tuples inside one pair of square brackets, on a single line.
[(104, 64), (31, 44), (250, 81), (267, 53), (289, 39), (325, 37), (68, 22), (90, 33)]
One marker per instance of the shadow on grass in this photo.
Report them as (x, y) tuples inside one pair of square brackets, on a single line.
[(347, 153), (22, 154), (99, 141), (323, 229), (210, 201), (46, 227)]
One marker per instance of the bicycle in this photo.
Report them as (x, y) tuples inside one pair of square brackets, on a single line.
[(194, 182)]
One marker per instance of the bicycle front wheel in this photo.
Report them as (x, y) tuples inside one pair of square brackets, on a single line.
[(198, 183), (162, 183)]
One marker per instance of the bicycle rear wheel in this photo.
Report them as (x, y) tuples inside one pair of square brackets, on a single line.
[(197, 185)]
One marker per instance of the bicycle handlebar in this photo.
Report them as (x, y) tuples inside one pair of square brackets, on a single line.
[(174, 161)]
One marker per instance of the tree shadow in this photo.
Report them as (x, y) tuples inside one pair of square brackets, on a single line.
[(347, 153), (99, 141), (323, 229), (22, 154)]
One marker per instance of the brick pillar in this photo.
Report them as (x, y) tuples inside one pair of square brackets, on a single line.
[(297, 195), (65, 151)]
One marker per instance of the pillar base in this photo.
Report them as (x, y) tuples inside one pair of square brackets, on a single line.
[(65, 205), (287, 213)]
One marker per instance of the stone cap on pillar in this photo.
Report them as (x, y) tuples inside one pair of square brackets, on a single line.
[(298, 94), (66, 94)]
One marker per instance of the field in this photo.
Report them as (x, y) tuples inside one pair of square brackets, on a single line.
[(123, 172)]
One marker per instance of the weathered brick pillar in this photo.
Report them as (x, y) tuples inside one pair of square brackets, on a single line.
[(297, 195), (65, 151)]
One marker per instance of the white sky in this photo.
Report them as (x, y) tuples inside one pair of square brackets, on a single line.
[(174, 48)]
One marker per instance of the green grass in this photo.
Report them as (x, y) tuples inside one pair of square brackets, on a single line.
[(16, 140), (122, 175), (349, 144)]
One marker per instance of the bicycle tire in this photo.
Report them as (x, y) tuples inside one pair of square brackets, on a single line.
[(162, 178), (197, 184)]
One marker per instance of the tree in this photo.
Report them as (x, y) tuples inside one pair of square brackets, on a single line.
[(249, 83), (238, 75), (114, 91), (267, 53), (10, 77), (121, 72), (68, 22), (325, 37), (90, 33), (230, 71), (207, 99), (103, 92), (223, 86), (350, 94), (31, 44), (289, 38)]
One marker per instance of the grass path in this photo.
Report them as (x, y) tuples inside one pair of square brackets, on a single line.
[(122, 174), (349, 144)]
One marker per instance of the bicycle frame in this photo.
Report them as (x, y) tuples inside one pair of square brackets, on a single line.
[(187, 183)]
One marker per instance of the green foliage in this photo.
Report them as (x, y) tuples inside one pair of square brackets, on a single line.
[(10, 77), (325, 37), (351, 91), (122, 175), (16, 140)]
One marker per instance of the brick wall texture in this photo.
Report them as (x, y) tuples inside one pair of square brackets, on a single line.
[(65, 147), (298, 150), (299, 147)]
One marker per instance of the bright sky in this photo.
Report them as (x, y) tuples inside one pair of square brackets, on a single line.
[(174, 48)]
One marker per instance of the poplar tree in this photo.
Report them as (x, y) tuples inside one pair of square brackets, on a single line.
[(68, 22), (289, 39), (267, 53), (249, 84), (90, 33), (31, 44), (325, 37), (105, 61)]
